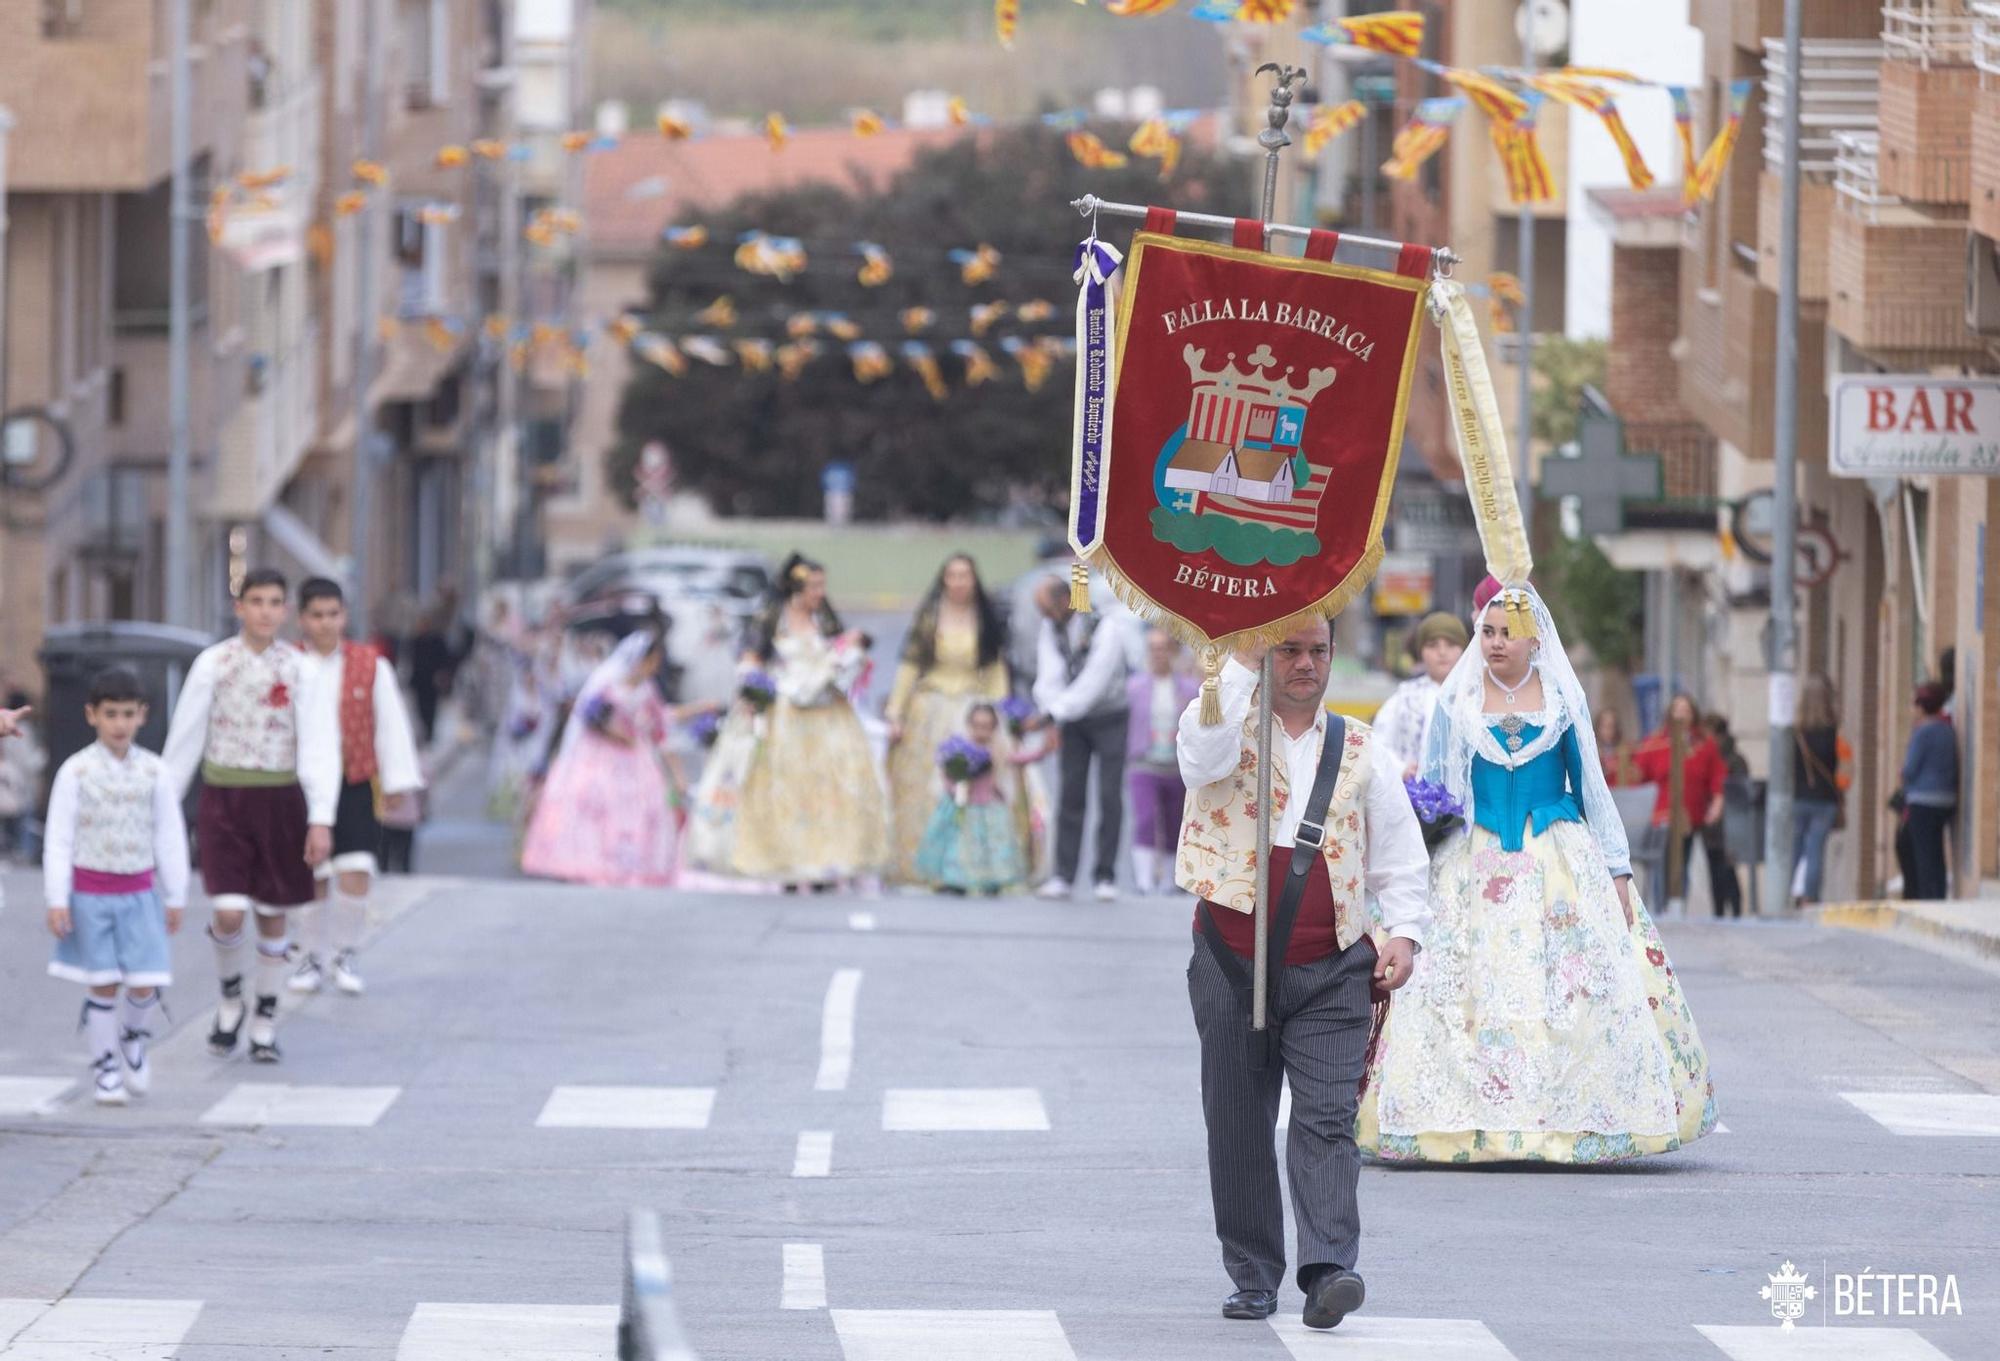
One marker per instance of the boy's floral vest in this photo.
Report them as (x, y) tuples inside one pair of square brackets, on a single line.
[(253, 718), (1217, 860)]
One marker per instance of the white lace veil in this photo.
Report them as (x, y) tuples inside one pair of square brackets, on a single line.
[(614, 670), (1461, 729)]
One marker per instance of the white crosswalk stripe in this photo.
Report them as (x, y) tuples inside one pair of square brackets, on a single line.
[(1963, 1114), (281, 1103), (85, 1329), (814, 1157), (1372, 1337), (980, 1110), (805, 1277), (32, 1095), (510, 1332), (861, 921), (627, 1108), (951, 1335), (1768, 1342)]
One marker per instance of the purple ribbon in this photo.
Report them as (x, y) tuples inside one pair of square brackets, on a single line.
[(1096, 262)]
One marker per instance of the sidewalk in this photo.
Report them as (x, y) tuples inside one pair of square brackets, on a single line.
[(1967, 925)]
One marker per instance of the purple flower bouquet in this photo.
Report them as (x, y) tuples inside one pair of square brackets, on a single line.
[(1439, 813), (758, 690), (705, 727), (962, 759), (1015, 713)]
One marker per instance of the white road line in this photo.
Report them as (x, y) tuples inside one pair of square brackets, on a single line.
[(815, 1153), (281, 1103), (1768, 1342), (627, 1108), (510, 1332), (805, 1277), (964, 1109), (1371, 1337), (960, 1334), (32, 1095), (1720, 1128), (836, 1032), (861, 921), (95, 1329), (1964, 1114)]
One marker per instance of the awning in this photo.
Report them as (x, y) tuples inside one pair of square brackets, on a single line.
[(293, 535)]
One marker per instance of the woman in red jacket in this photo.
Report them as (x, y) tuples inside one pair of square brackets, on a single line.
[(1702, 774)]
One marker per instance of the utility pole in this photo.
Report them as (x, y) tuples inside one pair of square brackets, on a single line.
[(1783, 659), (361, 497), (180, 532), (1525, 349)]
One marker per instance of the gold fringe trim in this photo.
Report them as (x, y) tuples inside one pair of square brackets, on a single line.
[(1520, 615), (1326, 607), (1079, 588)]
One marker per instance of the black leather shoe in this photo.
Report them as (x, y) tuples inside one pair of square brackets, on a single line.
[(1251, 1304), (1334, 1296)]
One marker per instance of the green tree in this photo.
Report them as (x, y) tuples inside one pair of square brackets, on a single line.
[(1594, 602), (755, 443), (1563, 368)]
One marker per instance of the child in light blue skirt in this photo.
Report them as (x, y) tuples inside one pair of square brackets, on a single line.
[(115, 878)]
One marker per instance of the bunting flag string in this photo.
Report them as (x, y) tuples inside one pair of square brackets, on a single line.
[(1581, 94), (1684, 130), (1708, 171), (1400, 33)]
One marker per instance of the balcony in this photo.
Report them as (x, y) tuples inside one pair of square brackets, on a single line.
[(1986, 118), (1895, 272), (1839, 82), (1750, 22), (1927, 87), (270, 434), (1727, 352)]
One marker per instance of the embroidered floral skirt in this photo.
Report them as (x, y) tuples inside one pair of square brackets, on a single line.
[(931, 717), (975, 848), (812, 806), (1538, 1026)]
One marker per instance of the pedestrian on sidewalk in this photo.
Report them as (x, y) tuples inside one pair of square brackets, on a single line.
[(1620, 771), (1338, 801), (1404, 721), (1682, 761), (954, 657), (270, 772), (1821, 758), (379, 766), (1080, 686), (1930, 795), (1545, 1022), (1727, 884), (1156, 697), (115, 879)]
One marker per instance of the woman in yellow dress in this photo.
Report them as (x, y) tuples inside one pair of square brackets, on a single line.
[(812, 811), (954, 658)]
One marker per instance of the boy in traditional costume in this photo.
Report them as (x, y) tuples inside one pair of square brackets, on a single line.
[(356, 687), (115, 878), (270, 768)]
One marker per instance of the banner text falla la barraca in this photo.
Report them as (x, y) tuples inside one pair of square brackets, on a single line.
[(1310, 319)]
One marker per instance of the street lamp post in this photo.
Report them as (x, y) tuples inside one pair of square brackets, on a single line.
[(366, 342), (179, 535)]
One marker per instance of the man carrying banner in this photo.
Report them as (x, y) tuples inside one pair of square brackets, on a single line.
[(1342, 829)]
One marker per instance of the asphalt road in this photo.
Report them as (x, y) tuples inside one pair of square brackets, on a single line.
[(915, 1129)]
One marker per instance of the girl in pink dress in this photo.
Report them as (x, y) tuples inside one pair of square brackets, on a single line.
[(609, 811)]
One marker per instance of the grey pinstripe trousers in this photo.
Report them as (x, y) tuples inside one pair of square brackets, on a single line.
[(1324, 1013)]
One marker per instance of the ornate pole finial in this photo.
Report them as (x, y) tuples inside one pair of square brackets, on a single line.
[(1273, 136)]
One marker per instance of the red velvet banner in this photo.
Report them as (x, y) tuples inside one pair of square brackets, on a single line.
[(1256, 424)]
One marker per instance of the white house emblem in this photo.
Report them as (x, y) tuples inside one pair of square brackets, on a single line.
[(1788, 1292)]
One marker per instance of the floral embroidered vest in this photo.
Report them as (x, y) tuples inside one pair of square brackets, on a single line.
[(114, 809), (357, 712), (1217, 859), (253, 718)]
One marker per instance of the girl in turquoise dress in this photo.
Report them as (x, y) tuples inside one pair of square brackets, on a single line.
[(973, 841), (1544, 1021)]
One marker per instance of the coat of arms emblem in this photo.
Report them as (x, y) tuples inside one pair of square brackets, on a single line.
[(1788, 1291)]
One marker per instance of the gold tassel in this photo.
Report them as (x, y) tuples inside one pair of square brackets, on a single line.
[(1211, 687), (1079, 588)]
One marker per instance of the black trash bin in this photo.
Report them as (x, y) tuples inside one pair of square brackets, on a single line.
[(73, 653)]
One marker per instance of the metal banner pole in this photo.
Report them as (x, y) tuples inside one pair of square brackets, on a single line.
[(1273, 140)]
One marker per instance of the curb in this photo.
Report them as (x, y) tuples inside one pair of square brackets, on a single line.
[(1909, 917)]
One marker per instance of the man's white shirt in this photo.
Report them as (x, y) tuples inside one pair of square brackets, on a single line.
[(1396, 864)]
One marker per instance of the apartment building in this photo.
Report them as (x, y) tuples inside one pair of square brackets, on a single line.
[(283, 94), (1900, 160)]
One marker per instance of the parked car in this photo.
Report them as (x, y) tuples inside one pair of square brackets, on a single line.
[(736, 579)]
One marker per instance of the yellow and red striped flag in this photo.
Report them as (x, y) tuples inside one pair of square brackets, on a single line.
[(1006, 18), (1265, 11), (867, 123), (1138, 9), (1155, 140), (1581, 94), (1329, 123), (1089, 150), (1400, 33), (1708, 172), (775, 131), (1423, 136)]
